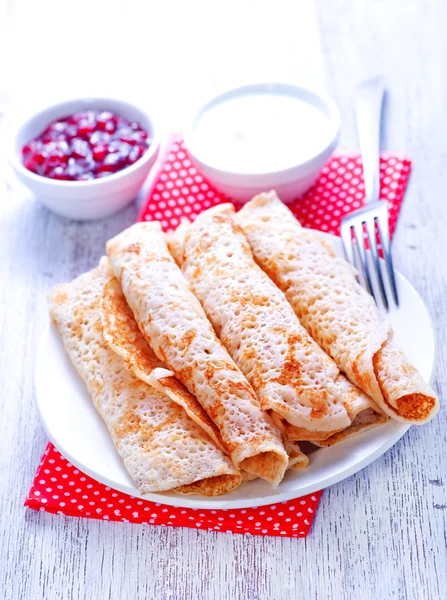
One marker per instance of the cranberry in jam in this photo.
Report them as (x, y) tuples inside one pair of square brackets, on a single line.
[(85, 146)]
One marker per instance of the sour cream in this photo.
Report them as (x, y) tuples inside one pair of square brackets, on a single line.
[(261, 132), (261, 137)]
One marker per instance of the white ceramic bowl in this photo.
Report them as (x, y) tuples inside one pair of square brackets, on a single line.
[(96, 198), (290, 182)]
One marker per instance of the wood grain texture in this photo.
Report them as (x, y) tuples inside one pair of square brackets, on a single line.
[(380, 534)]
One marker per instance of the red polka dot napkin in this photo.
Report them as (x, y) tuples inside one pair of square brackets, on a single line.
[(179, 190)]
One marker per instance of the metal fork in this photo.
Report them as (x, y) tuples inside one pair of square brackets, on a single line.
[(371, 221)]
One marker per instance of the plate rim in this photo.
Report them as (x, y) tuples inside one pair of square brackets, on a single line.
[(201, 503)]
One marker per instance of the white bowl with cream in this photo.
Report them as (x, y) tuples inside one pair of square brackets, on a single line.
[(264, 136)]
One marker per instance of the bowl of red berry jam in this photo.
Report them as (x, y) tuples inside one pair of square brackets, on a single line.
[(86, 159)]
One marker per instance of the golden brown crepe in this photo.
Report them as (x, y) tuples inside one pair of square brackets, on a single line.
[(161, 447), (337, 312), (176, 327)]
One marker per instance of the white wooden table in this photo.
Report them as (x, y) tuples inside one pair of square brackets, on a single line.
[(380, 534)]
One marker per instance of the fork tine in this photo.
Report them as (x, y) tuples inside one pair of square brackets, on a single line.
[(371, 235), (346, 239), (384, 237), (358, 233)]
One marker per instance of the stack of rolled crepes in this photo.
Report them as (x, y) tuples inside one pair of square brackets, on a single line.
[(295, 380), (164, 444), (181, 414), (208, 369)]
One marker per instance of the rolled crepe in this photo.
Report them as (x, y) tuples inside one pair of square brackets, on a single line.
[(289, 372), (176, 327), (161, 447), (334, 308)]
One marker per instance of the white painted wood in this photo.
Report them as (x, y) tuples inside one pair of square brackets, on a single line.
[(382, 533)]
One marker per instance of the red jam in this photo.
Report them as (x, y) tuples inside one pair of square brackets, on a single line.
[(87, 145)]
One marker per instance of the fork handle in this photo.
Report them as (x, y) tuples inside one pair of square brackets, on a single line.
[(368, 108)]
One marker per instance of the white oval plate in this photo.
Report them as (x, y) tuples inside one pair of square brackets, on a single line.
[(78, 432)]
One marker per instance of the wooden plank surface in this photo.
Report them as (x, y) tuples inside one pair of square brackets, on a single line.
[(381, 533)]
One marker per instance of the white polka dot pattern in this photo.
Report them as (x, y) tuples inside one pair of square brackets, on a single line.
[(180, 191)]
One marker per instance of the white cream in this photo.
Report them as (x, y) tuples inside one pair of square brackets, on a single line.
[(261, 132)]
